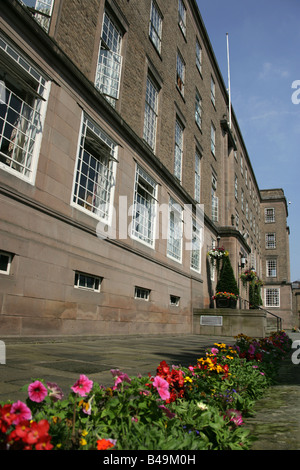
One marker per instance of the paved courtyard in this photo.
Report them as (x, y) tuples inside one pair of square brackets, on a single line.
[(63, 360)]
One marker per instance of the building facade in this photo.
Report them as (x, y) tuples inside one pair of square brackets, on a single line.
[(119, 170)]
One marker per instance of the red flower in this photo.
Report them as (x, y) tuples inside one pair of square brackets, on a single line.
[(6, 417), (104, 444), (175, 380), (28, 434)]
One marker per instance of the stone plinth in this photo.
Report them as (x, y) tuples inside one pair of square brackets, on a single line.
[(229, 322)]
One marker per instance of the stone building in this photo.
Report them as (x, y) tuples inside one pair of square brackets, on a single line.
[(296, 304), (277, 292), (119, 169)]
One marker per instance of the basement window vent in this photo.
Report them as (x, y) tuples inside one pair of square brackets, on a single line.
[(87, 282), (5, 262), (174, 300), (141, 293)]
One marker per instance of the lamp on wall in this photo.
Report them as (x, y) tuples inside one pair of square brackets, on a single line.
[(243, 261)]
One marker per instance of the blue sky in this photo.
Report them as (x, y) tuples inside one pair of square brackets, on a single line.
[(264, 49)]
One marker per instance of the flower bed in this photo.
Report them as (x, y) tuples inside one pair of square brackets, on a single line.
[(200, 407)]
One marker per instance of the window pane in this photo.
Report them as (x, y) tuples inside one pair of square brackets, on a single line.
[(272, 297), (109, 66), (95, 171), (5, 260), (150, 114), (155, 26), (175, 230), (41, 10), (86, 281), (178, 150), (144, 211), (20, 113)]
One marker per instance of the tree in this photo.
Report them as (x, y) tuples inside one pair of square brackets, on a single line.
[(227, 281)]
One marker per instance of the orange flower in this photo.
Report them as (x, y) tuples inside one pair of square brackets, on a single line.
[(104, 444)]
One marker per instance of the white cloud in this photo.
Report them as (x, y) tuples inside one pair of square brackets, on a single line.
[(270, 70)]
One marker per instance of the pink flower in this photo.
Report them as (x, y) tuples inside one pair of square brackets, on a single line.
[(56, 392), (214, 351), (235, 417), (120, 377), (37, 391), (162, 387), (21, 411), (251, 349), (83, 386), (167, 411)]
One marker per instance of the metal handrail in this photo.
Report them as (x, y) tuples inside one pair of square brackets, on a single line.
[(278, 319)]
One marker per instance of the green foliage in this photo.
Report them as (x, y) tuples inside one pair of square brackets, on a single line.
[(227, 281)]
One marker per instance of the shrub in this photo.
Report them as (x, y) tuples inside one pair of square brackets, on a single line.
[(227, 281)]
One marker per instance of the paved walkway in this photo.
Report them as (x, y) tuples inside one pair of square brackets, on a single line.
[(276, 423), (63, 360)]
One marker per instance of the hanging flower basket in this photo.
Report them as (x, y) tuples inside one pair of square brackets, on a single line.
[(248, 276), (216, 255)]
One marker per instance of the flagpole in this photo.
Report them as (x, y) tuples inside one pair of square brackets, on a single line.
[(229, 89)]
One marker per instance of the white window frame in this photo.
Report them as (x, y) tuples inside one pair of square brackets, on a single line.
[(214, 201), (196, 247), (212, 266), (140, 293), (197, 176), (109, 66), (213, 90), (198, 55), (180, 73), (236, 187), (42, 12), (213, 139), (198, 109), (182, 16), (96, 281), (272, 297), (9, 257), (143, 226), (271, 267), (269, 215), (179, 129), (151, 113), (96, 196), (24, 142), (155, 26), (175, 231), (270, 240)]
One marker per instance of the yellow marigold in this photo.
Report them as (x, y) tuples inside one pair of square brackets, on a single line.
[(82, 442), (188, 379)]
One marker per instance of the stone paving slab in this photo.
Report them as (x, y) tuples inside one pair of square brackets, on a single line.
[(62, 360), (276, 422)]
